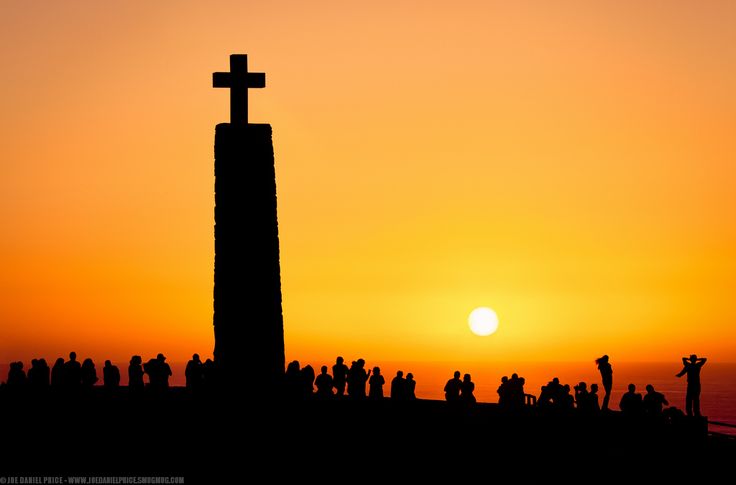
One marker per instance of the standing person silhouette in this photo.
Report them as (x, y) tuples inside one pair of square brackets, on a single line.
[(164, 371), (135, 374), (692, 367), (607, 377), (375, 384), (57, 374), (72, 372), (398, 386), (193, 373)]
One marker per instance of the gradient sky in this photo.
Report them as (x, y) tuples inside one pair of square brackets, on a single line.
[(570, 164)]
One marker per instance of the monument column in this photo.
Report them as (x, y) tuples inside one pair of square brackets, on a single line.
[(248, 321)]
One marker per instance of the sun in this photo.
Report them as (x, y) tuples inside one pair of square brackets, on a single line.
[(483, 321)]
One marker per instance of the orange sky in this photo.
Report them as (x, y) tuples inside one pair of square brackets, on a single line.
[(570, 164)]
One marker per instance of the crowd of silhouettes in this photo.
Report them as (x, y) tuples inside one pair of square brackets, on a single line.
[(199, 375), (403, 388), (301, 382), (511, 393), (73, 376)]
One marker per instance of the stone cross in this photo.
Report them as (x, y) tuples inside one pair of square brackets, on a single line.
[(239, 80)]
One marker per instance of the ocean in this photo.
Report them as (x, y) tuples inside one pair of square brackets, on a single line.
[(717, 401)]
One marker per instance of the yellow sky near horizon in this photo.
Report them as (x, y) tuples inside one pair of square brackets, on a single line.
[(571, 166)]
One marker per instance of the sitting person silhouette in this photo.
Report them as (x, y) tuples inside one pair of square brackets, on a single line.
[(631, 402), (466, 390), (89, 373), (110, 375), (452, 388), (324, 383), (339, 376), (653, 401), (411, 386), (692, 367)]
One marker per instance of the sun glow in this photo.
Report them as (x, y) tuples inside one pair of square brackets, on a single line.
[(483, 321)]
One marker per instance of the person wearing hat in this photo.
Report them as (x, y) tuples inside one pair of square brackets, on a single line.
[(164, 371), (692, 367)]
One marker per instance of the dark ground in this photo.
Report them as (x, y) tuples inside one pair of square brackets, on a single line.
[(231, 439)]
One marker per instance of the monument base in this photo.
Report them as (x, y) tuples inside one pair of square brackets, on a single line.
[(248, 320)]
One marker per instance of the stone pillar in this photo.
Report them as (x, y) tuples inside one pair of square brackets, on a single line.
[(248, 321)]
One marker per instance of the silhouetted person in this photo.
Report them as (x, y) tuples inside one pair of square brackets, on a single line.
[(606, 378), (566, 400), (503, 392), (31, 374), (135, 374), (293, 380), (164, 371), (72, 372), (514, 391), (110, 376), (653, 401), (339, 376), (692, 367), (39, 374), (307, 378), (193, 373), (631, 402), (324, 383), (375, 384), (452, 388), (581, 396), (357, 378), (411, 386), (466, 390), (586, 401), (16, 376), (593, 399), (209, 374), (57, 374), (398, 386), (552, 394), (89, 374)]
